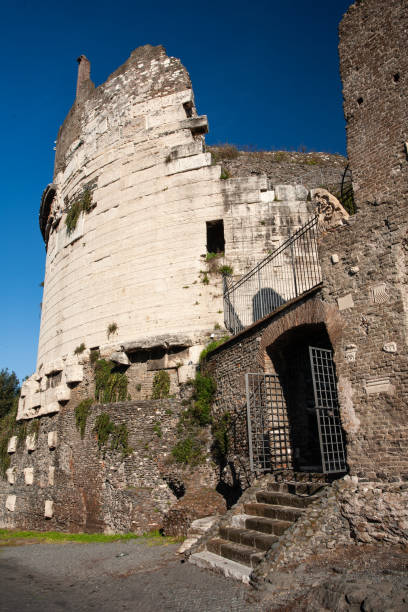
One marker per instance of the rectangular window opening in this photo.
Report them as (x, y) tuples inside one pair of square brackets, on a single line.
[(215, 236)]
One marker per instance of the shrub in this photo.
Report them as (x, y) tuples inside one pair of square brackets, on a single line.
[(112, 329), (188, 451), (80, 349), (161, 385), (81, 205), (220, 444), (224, 174), (110, 382), (81, 415), (212, 346), (225, 270)]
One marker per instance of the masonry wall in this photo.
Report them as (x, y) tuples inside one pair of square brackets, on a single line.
[(136, 258), (374, 71), (95, 491)]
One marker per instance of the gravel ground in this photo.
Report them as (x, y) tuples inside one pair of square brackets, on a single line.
[(130, 575)]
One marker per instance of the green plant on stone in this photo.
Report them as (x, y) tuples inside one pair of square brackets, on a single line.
[(224, 174), (188, 451), (158, 430), (212, 346), (110, 382), (161, 385), (34, 428), (205, 280), (80, 349), (81, 415), (119, 439), (81, 205), (94, 356), (103, 428), (220, 444), (112, 329), (225, 270)]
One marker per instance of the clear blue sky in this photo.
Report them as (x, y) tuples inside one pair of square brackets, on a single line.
[(265, 72)]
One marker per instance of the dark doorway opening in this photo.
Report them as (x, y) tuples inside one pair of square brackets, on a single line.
[(290, 357), (215, 236)]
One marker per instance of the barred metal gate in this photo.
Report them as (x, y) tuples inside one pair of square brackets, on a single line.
[(268, 424), (327, 410)]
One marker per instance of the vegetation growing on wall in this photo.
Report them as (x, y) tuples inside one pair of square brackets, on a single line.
[(112, 329), (212, 346), (191, 446), (119, 435), (8, 428), (81, 415), (34, 428), (83, 204), (161, 385), (219, 430), (226, 270), (110, 382), (80, 349)]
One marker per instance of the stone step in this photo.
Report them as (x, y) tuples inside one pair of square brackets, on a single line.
[(230, 569), (246, 555), (283, 499), (283, 513), (260, 541), (267, 525), (296, 488)]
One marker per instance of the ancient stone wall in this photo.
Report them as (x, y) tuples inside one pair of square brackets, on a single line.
[(131, 162), (64, 482), (283, 167), (374, 68)]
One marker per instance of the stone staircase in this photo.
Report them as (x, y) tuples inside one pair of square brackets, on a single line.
[(240, 546)]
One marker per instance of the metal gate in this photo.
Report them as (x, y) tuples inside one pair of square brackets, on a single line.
[(268, 426), (327, 410)]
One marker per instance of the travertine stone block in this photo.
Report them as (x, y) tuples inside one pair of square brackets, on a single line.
[(52, 439), (29, 475), (12, 444), (74, 373), (62, 393), (51, 475), (11, 502), (49, 408), (31, 442), (11, 475), (378, 385), (345, 302), (53, 367), (49, 509)]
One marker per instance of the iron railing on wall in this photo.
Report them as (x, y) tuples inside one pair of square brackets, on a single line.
[(288, 272)]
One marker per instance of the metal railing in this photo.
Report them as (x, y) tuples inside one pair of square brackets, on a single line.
[(288, 272)]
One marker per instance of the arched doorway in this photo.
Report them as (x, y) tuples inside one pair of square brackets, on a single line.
[(293, 411)]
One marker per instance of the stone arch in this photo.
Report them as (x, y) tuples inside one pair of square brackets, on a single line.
[(312, 311)]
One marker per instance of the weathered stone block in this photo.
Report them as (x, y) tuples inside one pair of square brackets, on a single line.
[(11, 475), (12, 444), (49, 509), (120, 357), (345, 302), (29, 475), (378, 385), (53, 367), (74, 373), (11, 503), (52, 439), (31, 442), (51, 475), (62, 393)]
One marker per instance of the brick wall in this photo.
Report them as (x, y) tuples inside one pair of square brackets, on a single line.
[(374, 71)]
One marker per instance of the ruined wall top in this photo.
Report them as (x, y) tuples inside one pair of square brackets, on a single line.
[(148, 73), (374, 69)]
